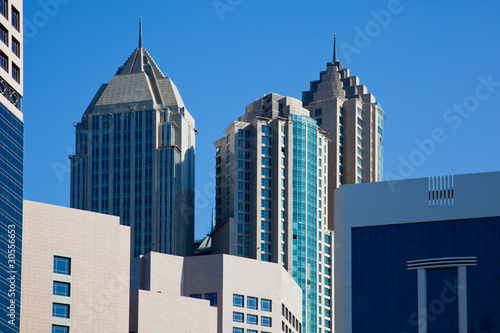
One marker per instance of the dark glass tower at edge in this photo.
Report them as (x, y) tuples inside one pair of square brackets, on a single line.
[(11, 167)]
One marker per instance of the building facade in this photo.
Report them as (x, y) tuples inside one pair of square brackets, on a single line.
[(11, 162), (134, 157), (212, 293), (271, 198), (423, 255), (76, 271), (354, 122)]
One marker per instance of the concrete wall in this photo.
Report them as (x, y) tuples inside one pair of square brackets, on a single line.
[(98, 247)]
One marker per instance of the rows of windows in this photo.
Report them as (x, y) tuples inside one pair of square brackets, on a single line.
[(62, 266), (252, 319), (242, 330), (291, 319), (4, 37)]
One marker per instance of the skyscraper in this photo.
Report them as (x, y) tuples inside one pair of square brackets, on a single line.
[(271, 198), (354, 122), (134, 158), (11, 162)]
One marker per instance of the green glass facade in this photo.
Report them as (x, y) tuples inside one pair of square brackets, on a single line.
[(305, 207)]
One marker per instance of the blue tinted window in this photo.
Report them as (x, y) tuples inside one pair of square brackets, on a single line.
[(266, 305), (60, 310), (238, 317), (265, 321), (195, 296), (62, 265), (237, 330), (60, 329), (238, 300), (252, 319), (60, 288), (212, 297), (252, 303)]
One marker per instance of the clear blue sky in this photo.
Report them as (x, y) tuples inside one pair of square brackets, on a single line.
[(426, 62)]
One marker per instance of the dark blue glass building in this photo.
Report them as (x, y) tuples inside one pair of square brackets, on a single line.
[(419, 255), (11, 217)]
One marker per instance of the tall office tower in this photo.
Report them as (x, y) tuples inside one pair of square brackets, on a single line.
[(135, 148), (354, 122), (271, 197), (11, 162)]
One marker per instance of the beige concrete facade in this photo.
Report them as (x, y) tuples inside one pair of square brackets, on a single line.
[(165, 281), (354, 122), (261, 177), (97, 247)]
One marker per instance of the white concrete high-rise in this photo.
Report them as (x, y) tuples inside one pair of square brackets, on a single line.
[(271, 198)]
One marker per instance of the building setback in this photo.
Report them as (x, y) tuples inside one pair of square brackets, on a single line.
[(423, 255), (212, 293), (11, 162), (134, 157), (271, 198), (354, 123)]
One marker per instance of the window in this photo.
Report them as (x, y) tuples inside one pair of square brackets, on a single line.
[(265, 257), (252, 303), (265, 321), (265, 248), (60, 329), (252, 331), (4, 35), (237, 330), (60, 288), (318, 112), (319, 121), (4, 61), (16, 73), (16, 18), (266, 305), (238, 300), (4, 8), (212, 297), (60, 310), (238, 317), (252, 319), (62, 265)]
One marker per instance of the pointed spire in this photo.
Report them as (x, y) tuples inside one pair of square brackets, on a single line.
[(334, 47), (140, 32)]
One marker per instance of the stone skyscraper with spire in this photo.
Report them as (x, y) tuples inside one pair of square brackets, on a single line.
[(134, 157), (354, 122)]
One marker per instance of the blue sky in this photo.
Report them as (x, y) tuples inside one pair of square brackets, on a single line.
[(433, 65)]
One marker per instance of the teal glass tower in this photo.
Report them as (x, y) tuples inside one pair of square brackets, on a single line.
[(11, 165), (271, 198), (134, 157)]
